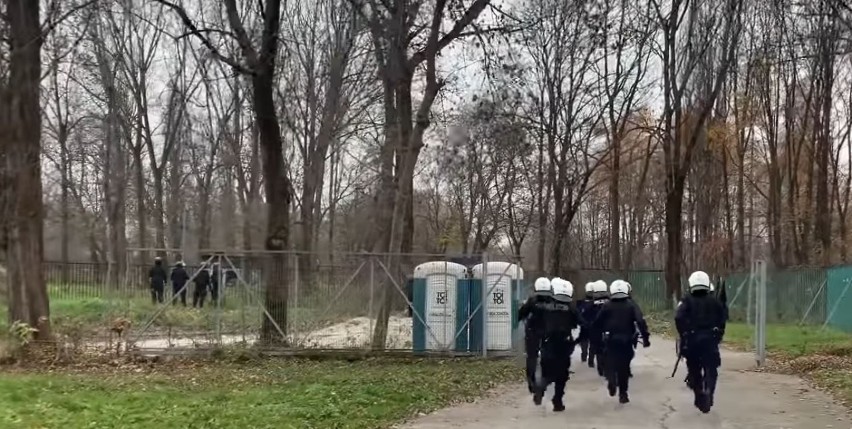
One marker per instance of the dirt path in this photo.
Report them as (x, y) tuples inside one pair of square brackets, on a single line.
[(745, 400)]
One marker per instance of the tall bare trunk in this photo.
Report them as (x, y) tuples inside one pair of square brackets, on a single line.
[(28, 300)]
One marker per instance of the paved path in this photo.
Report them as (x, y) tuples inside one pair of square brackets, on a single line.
[(744, 400)]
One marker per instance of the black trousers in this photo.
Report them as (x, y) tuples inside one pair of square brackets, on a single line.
[(596, 355), (214, 292), (157, 294), (532, 345), (179, 289), (702, 363), (619, 355), (198, 295), (555, 366), (584, 345)]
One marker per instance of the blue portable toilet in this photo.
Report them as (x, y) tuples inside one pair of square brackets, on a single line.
[(503, 286), (440, 306)]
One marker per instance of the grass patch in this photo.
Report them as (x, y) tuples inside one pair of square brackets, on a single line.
[(791, 341), (264, 394), (91, 313)]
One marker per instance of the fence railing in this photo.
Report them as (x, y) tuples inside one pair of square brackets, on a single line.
[(365, 301)]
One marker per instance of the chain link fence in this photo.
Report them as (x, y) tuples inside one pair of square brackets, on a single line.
[(288, 301), (357, 301)]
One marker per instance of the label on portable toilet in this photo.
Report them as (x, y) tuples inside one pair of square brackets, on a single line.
[(499, 309), (440, 311)]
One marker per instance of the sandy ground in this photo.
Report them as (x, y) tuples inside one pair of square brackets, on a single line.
[(744, 400), (354, 333)]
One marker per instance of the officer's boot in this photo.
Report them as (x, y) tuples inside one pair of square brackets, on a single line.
[(600, 358), (559, 392), (611, 385), (622, 390), (540, 388)]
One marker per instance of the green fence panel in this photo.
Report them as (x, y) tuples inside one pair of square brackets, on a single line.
[(839, 298), (790, 293), (649, 290)]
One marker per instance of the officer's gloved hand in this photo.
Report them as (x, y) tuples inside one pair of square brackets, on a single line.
[(646, 343)]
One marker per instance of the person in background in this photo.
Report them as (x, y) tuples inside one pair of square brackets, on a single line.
[(179, 280), (596, 347), (701, 320), (557, 345), (202, 282), (582, 306), (618, 320), (157, 278), (533, 317)]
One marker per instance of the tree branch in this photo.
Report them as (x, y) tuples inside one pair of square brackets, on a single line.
[(469, 16), (49, 25), (242, 37), (193, 29)]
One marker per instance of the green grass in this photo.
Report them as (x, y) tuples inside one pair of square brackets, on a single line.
[(268, 394), (791, 340), (92, 312)]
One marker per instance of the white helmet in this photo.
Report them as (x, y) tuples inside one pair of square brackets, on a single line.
[(600, 286), (590, 287), (542, 286), (619, 289), (563, 290), (699, 280), (712, 288)]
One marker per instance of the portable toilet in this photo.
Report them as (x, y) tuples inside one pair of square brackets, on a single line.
[(503, 286), (439, 308)]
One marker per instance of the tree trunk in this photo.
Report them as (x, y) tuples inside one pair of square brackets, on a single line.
[(278, 198), (65, 183), (159, 212), (28, 299), (614, 205), (141, 215), (674, 234)]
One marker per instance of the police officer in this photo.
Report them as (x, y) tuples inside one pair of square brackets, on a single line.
[(700, 322), (202, 282), (179, 278), (636, 334), (157, 278), (600, 296), (618, 320), (560, 318), (533, 318), (582, 306), (712, 292)]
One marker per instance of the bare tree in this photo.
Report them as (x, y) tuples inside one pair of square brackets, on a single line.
[(20, 150), (258, 62), (708, 29)]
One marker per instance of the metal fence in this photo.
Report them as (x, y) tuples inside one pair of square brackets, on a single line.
[(369, 302), (290, 301)]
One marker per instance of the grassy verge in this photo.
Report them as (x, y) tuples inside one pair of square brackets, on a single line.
[(786, 342), (823, 356), (262, 394), (93, 315)]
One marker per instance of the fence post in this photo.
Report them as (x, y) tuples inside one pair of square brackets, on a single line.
[(296, 256), (760, 322), (370, 314), (484, 304)]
